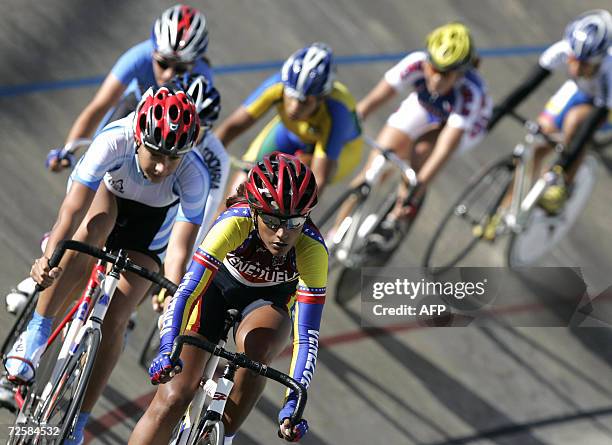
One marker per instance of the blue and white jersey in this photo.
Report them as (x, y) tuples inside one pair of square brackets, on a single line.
[(135, 67), (461, 108), (598, 87), (112, 158)]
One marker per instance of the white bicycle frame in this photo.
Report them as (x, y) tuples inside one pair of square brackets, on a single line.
[(346, 232), (216, 392), (521, 204), (80, 324)]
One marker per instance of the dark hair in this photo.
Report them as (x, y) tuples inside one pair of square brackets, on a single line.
[(238, 197)]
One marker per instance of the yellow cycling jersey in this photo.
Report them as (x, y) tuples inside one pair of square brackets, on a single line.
[(332, 126)]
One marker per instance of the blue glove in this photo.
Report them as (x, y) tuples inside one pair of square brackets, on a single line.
[(299, 430), (162, 369), (58, 155)]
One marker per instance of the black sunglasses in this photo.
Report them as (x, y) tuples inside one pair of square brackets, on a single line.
[(178, 67), (274, 222)]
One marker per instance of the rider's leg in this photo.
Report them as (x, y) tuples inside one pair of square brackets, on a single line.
[(171, 400), (571, 124), (421, 151), (262, 335), (129, 293), (94, 229)]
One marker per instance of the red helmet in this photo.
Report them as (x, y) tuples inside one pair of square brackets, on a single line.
[(166, 122), (281, 185)]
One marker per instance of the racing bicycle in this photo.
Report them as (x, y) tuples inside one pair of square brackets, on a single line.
[(371, 200), (532, 231), (57, 400)]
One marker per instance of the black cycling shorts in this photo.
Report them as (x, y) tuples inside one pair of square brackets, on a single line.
[(225, 292), (136, 227)]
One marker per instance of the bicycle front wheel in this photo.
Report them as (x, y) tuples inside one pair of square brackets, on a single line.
[(542, 232), (63, 404), (20, 324), (213, 433), (456, 235), (150, 347)]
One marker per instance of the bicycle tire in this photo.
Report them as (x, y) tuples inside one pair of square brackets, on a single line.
[(150, 347), (212, 434), (543, 232), (20, 323), (76, 373), (485, 179)]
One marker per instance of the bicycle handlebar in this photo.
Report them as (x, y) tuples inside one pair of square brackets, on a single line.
[(78, 246), (533, 128), (243, 361), (408, 174)]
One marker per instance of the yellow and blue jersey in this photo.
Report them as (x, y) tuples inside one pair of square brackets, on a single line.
[(333, 125), (233, 242)]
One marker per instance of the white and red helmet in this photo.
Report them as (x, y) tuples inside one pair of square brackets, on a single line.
[(180, 33), (166, 122)]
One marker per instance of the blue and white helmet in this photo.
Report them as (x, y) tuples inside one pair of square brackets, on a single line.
[(205, 96), (590, 35), (309, 71)]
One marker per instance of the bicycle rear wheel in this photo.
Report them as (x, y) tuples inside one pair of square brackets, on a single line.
[(455, 238), (542, 231), (63, 404)]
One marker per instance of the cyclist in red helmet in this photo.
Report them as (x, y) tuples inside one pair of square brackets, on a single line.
[(266, 258), (152, 180)]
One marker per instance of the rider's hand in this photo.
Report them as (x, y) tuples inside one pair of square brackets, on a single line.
[(59, 159), (294, 434), (162, 369), (160, 300), (42, 273)]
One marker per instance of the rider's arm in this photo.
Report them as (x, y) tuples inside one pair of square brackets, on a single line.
[(448, 139), (71, 213), (107, 96), (255, 106), (377, 97), (582, 136), (307, 311), (104, 154), (342, 128), (535, 78), (395, 80), (236, 124), (323, 169), (180, 248), (552, 59)]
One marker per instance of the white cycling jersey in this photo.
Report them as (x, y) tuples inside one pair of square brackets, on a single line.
[(599, 87), (112, 158), (217, 161)]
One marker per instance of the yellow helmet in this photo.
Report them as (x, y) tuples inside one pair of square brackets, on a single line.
[(450, 46)]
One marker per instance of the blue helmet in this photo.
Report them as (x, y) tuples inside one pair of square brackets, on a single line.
[(309, 71), (590, 35)]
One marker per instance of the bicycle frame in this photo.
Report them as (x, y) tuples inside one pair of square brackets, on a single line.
[(347, 232), (525, 194), (225, 384), (88, 315)]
